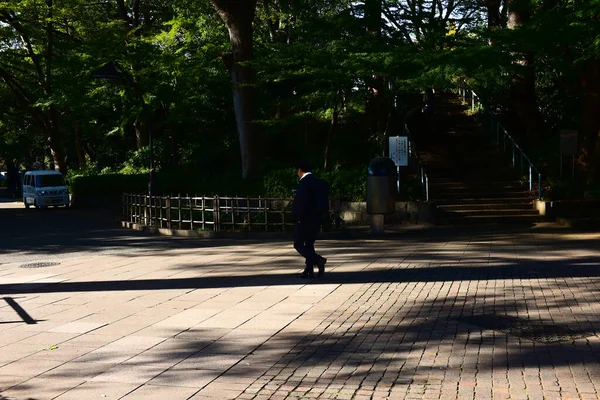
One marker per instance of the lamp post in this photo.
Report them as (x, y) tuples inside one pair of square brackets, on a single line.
[(113, 71)]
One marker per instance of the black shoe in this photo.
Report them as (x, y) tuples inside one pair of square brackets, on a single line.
[(321, 265), (308, 273)]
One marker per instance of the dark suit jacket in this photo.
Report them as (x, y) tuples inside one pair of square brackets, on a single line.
[(304, 209)]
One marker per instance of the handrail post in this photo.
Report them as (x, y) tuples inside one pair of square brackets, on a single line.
[(530, 181), (472, 101), (498, 134), (513, 157), (539, 186), (521, 163), (426, 187)]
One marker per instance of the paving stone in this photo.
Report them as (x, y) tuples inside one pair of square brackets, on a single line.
[(128, 373), (98, 390), (8, 381), (42, 388), (109, 354), (210, 361), (385, 323), (185, 377), (153, 392), (29, 367), (78, 327)]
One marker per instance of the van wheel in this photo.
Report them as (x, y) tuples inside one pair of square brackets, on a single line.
[(26, 204)]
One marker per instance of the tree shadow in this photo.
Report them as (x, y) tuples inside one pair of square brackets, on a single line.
[(383, 339), (584, 267), (410, 325)]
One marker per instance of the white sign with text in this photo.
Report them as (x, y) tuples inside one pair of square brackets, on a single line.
[(399, 150)]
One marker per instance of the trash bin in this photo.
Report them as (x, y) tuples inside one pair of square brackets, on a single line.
[(381, 186)]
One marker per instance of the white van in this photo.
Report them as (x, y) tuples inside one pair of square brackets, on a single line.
[(45, 188)]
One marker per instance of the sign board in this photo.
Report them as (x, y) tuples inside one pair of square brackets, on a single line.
[(568, 142), (399, 150)]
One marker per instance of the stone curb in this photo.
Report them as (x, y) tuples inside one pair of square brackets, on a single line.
[(354, 232), (580, 223)]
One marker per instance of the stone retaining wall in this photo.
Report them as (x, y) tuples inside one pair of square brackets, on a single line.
[(551, 210)]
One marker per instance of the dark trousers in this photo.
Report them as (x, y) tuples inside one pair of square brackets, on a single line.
[(304, 242)]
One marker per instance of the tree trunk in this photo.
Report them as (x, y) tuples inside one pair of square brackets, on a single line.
[(376, 107), (140, 134), (79, 146), (332, 128), (56, 148), (238, 16), (522, 94), (590, 119), (494, 17)]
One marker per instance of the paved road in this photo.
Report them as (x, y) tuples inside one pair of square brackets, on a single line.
[(28, 235), (481, 313)]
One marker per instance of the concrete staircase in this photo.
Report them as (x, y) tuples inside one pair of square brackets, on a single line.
[(470, 180)]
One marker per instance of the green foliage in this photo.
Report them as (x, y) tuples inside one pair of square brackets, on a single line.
[(316, 68), (345, 185), (566, 189), (280, 183), (349, 185), (592, 191), (562, 189), (107, 185)]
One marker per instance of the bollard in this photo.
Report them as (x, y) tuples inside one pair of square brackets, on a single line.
[(377, 224)]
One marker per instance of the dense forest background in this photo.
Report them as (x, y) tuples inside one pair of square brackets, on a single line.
[(241, 88)]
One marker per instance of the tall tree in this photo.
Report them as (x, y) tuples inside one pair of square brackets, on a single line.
[(495, 13), (35, 43), (238, 15), (377, 107), (522, 98)]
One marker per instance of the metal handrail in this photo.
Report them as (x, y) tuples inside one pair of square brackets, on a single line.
[(413, 153), (497, 128)]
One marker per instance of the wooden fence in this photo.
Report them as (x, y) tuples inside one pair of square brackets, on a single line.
[(217, 213)]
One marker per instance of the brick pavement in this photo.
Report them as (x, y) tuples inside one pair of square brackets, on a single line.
[(394, 318)]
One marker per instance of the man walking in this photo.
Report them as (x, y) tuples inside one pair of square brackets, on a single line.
[(307, 220)]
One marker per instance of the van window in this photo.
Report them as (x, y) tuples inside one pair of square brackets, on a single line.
[(27, 180), (49, 180)]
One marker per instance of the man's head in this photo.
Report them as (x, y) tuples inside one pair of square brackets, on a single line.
[(302, 166)]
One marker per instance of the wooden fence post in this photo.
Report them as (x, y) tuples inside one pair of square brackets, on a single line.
[(168, 211), (216, 216)]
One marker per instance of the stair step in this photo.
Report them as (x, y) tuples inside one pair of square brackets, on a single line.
[(506, 200), (485, 206), (447, 195), (444, 168), (497, 212), (471, 180), (488, 220), (492, 175), (479, 182), (476, 188)]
